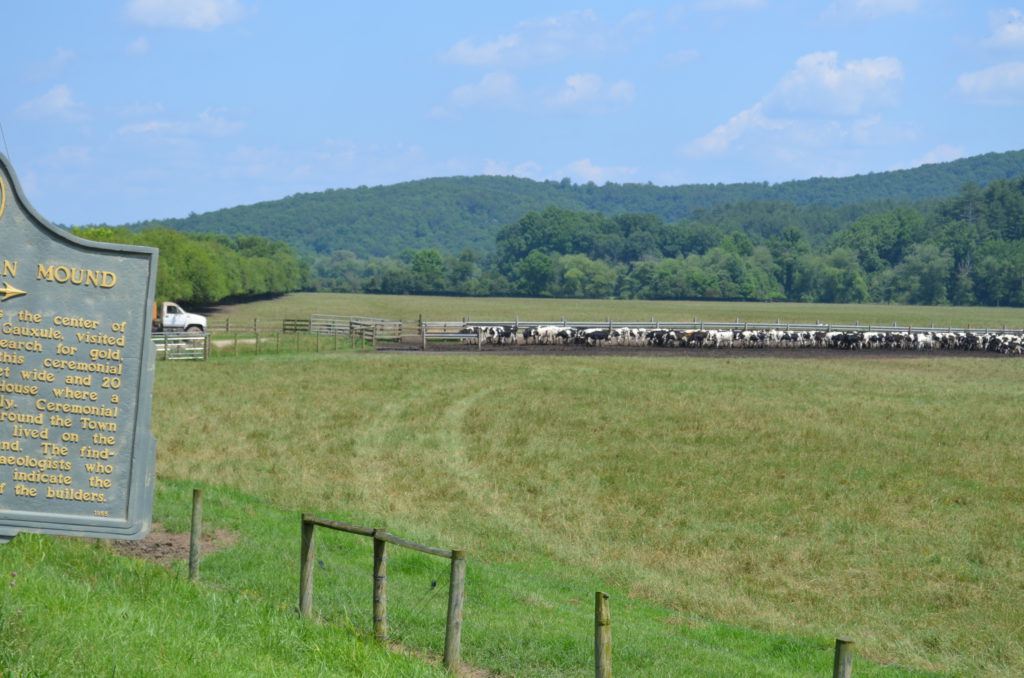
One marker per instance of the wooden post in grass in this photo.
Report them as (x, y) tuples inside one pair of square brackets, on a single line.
[(257, 343), (479, 339), (306, 557), (453, 629), (602, 637), (380, 589), (842, 666), (195, 535)]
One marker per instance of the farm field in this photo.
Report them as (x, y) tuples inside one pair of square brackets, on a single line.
[(409, 308), (742, 512), (811, 499)]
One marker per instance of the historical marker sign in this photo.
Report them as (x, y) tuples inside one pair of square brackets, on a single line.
[(76, 379)]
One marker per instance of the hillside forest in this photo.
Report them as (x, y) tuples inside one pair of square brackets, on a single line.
[(950, 233), (965, 250)]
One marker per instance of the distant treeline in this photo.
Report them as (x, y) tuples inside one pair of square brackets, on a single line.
[(203, 268), (965, 250)]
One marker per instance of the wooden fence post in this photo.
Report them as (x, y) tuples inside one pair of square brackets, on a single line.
[(195, 535), (453, 629), (307, 555), (842, 666), (602, 637), (380, 589), (257, 343)]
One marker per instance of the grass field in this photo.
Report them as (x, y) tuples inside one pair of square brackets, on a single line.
[(409, 308), (742, 512)]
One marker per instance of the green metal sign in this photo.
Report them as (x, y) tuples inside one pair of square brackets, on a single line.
[(76, 379)]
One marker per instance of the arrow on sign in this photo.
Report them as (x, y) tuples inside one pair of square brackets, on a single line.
[(8, 291)]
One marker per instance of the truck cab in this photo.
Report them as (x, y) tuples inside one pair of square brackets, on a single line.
[(170, 317)]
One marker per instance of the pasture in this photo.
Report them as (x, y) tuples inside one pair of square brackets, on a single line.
[(815, 498), (409, 308)]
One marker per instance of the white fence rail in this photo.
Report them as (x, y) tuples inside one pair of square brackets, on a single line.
[(181, 345)]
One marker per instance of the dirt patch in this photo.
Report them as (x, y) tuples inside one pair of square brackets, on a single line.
[(163, 547)]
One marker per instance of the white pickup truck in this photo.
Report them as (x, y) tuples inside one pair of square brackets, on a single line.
[(170, 317)]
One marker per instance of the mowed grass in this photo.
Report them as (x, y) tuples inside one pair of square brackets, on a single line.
[(809, 499), (409, 308)]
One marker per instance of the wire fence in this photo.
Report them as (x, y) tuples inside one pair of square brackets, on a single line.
[(544, 625)]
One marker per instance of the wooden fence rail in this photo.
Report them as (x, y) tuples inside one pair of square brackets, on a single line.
[(381, 538)]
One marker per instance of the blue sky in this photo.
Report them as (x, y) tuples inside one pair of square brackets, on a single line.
[(136, 109)]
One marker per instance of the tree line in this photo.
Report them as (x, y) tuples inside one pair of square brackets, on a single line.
[(965, 250), (205, 268)]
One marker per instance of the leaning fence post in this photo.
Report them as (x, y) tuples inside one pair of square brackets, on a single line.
[(842, 667), (307, 555), (380, 588), (195, 535), (602, 637), (453, 630)]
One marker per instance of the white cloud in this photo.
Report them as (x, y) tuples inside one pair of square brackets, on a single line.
[(137, 47), (819, 84), (549, 40), (1003, 83), (1007, 29), (801, 109), (721, 137), (493, 89), (585, 170), (582, 92), (943, 153), (587, 90), (209, 123), (869, 9), (489, 53), (203, 15), (59, 102)]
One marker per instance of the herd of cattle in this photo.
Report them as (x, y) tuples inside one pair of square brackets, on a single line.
[(849, 339)]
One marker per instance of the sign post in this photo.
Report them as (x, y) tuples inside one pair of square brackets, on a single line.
[(76, 379)]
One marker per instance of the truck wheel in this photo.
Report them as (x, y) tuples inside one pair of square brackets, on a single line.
[(194, 329)]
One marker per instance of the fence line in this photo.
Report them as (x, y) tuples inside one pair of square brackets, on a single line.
[(181, 345), (381, 538), (602, 619), (442, 327)]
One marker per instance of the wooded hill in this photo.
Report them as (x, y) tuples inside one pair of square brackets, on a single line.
[(452, 214)]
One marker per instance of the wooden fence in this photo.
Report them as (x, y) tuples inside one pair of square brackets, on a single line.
[(456, 586), (842, 666)]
